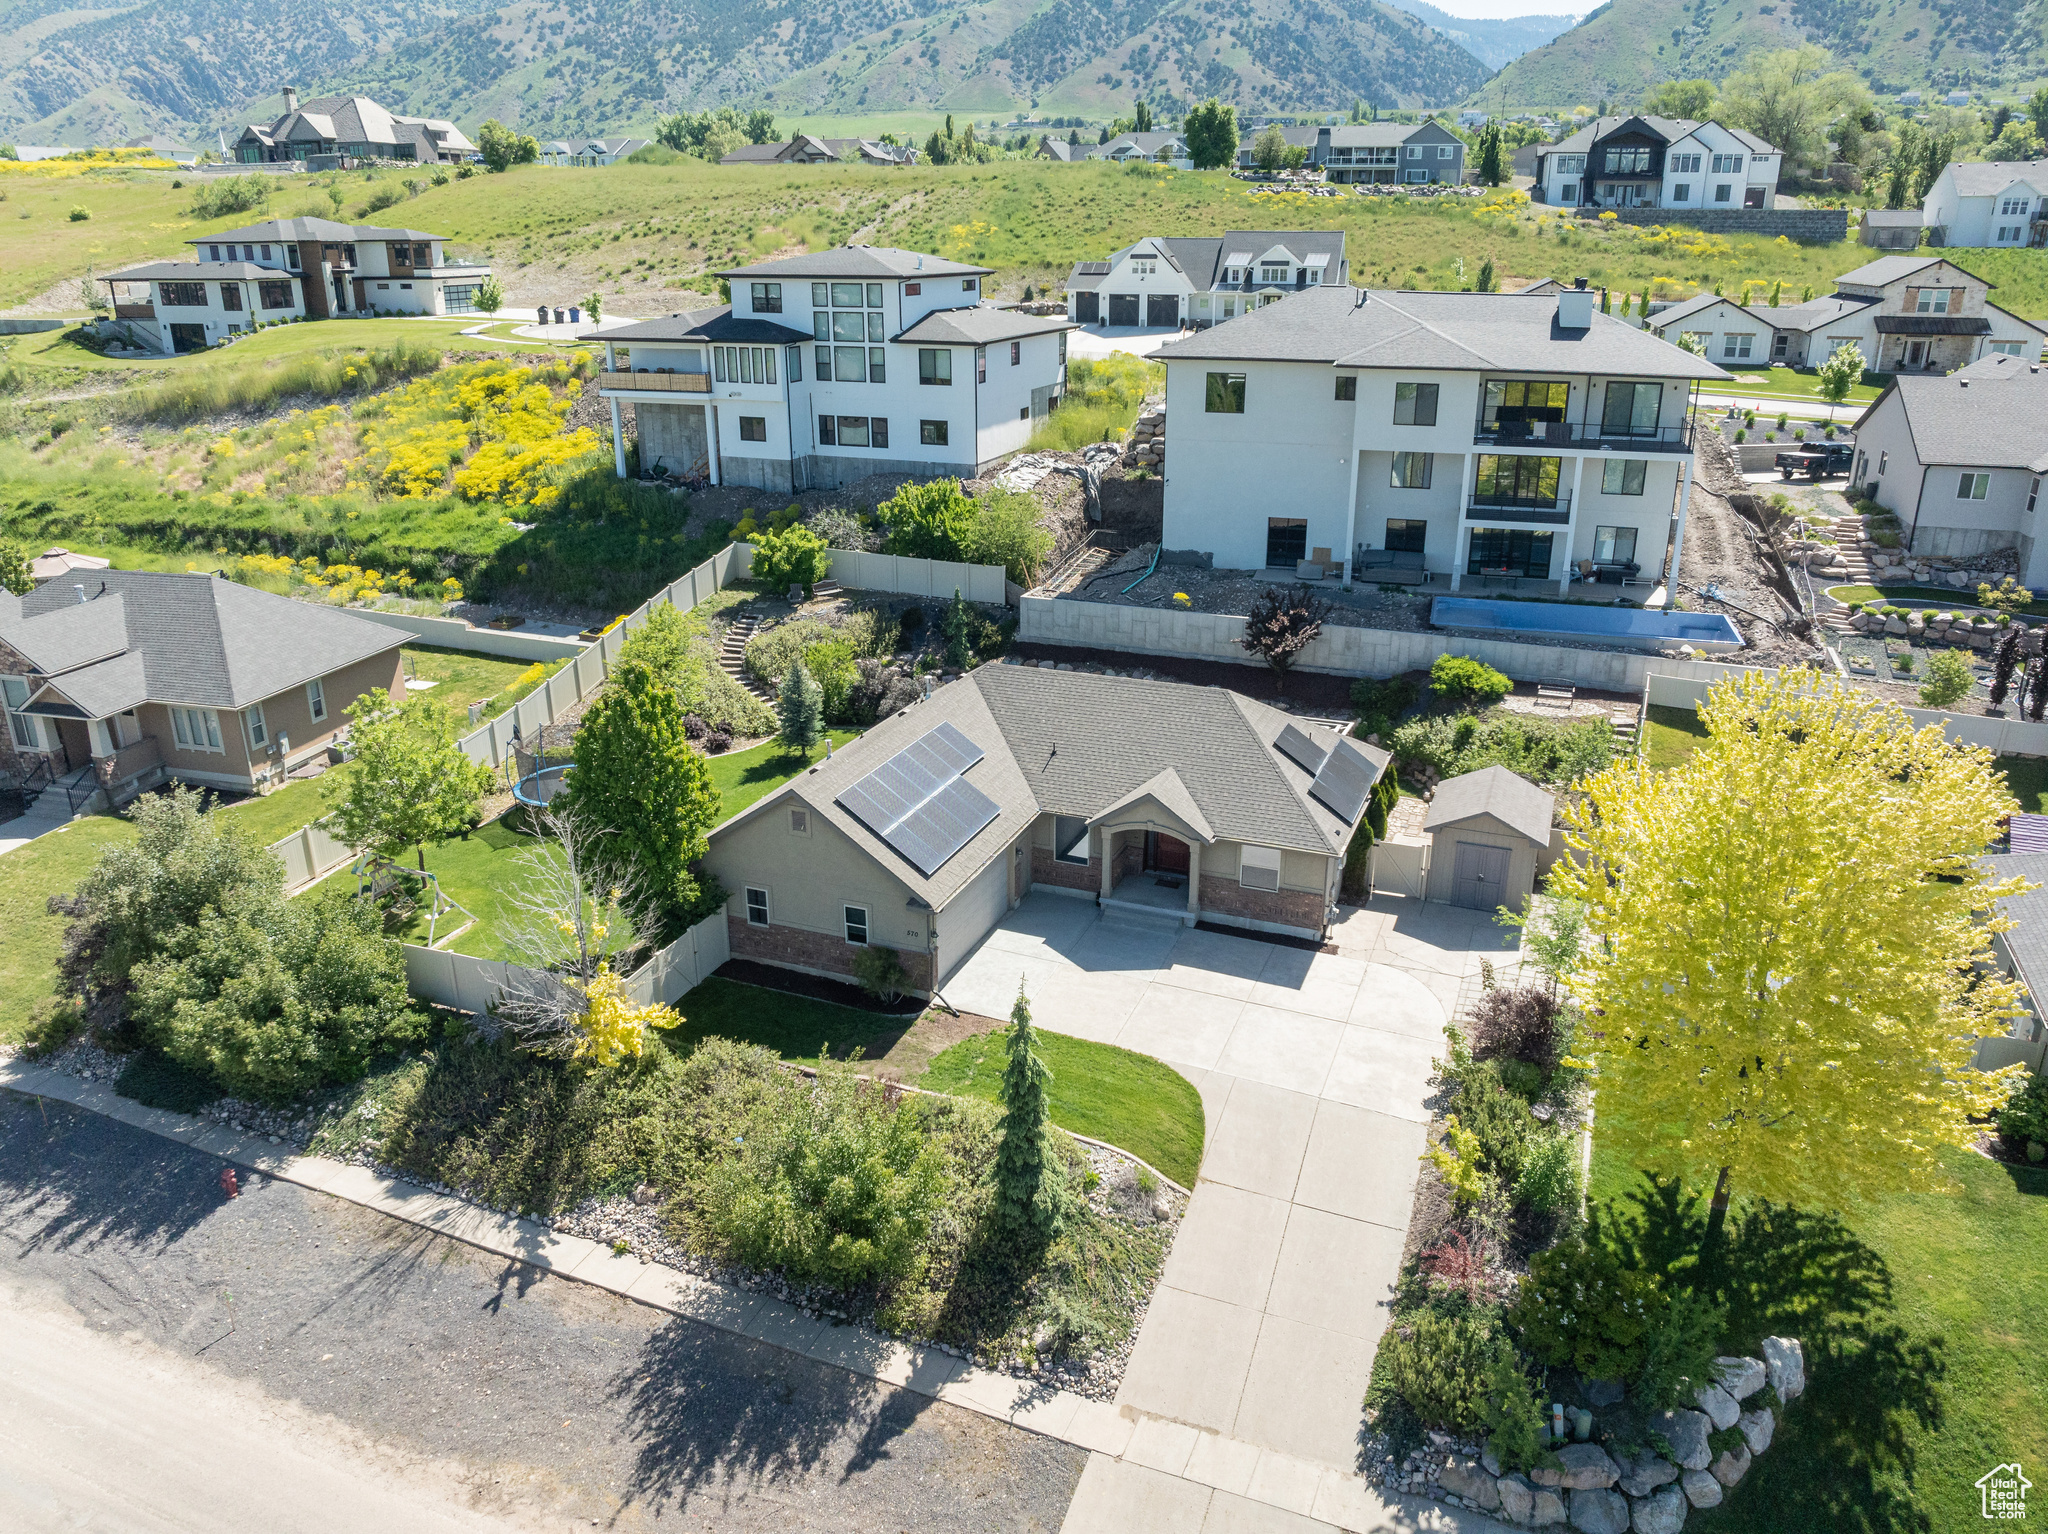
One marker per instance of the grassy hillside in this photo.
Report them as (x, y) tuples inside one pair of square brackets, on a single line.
[(1494, 40), (1627, 45)]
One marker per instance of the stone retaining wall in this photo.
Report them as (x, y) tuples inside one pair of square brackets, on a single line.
[(1820, 225)]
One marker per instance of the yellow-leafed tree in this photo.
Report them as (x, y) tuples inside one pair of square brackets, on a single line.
[(1784, 990)]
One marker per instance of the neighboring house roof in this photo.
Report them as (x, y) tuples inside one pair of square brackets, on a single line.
[(2027, 939), (173, 271), (1697, 304), (981, 325), (1204, 259), (1892, 218), (1349, 327), (1818, 312), (1147, 144), (755, 154), (1507, 796), (200, 639), (1087, 274), (52, 563), (859, 261), (1885, 270), (1987, 178), (715, 324), (359, 120), (1669, 129), (1992, 414), (1059, 149), (283, 229)]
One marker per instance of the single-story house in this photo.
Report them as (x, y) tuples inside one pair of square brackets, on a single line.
[(1186, 803), (1489, 831), (2022, 950), (1158, 148), (808, 149), (128, 678), (1061, 150)]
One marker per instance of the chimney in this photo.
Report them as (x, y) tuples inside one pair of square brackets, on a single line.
[(1579, 283), (291, 100), (1575, 309)]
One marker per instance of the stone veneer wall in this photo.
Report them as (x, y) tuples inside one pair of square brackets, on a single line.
[(800, 948), (1290, 908), (1822, 225)]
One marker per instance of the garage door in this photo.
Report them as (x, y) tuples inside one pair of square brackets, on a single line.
[(1479, 877), (969, 915), (1087, 308), (1162, 310), (1123, 309)]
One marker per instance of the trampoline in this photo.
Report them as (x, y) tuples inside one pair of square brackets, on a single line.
[(536, 788)]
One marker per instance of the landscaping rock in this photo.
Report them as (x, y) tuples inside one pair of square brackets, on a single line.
[(1581, 1467), (1599, 1512), (1489, 1460), (1719, 1406), (1700, 1489), (1603, 1392), (1465, 1477), (1895, 625), (1785, 1363), (1646, 1473), (1686, 1432), (1662, 1513), (1757, 1429), (1741, 1377), (1549, 1509), (1517, 1498), (1733, 1465)]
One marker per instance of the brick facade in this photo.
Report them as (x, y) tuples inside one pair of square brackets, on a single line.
[(824, 952), (1289, 908), (1047, 869)]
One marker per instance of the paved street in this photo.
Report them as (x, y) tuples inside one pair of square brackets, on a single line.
[(286, 1361)]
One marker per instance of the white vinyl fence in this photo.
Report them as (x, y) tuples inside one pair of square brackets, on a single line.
[(921, 577), (456, 980), (308, 853)]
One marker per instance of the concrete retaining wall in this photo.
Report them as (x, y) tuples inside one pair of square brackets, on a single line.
[(32, 327), (454, 634), (1819, 225)]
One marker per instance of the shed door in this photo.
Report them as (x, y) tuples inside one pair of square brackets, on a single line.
[(1162, 310), (1088, 308), (1479, 877), (1123, 308)]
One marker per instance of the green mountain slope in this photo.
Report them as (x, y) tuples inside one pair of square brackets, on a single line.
[(560, 66), (1495, 41), (1627, 45)]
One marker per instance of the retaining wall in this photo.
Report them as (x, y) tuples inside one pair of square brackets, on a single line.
[(454, 634), (1822, 225)]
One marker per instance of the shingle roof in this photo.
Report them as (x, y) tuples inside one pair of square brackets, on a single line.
[(287, 229), (105, 687), (981, 325), (1507, 796), (858, 261), (1818, 312), (2027, 940), (1992, 414), (1457, 332), (1670, 129), (1144, 143), (717, 324), (1987, 178), (1893, 218), (1885, 269), (754, 154), (203, 640), (174, 271), (1698, 303)]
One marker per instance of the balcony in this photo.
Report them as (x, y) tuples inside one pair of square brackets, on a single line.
[(1509, 511), (135, 311), (1584, 436), (662, 381)]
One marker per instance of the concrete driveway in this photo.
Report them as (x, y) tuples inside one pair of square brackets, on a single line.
[(1313, 1069)]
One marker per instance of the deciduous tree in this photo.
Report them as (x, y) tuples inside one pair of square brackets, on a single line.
[(14, 574), (409, 783), (1789, 97), (1283, 621), (503, 147), (1840, 373), (1693, 99), (1211, 132)]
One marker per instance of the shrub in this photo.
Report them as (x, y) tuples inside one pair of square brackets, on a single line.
[(880, 972), (1948, 678), (678, 648), (1379, 703), (1442, 1366), (2024, 1115), (1457, 1160), (1517, 1023), (1543, 750), (771, 652), (841, 529), (53, 1023), (227, 195), (1005, 529), (927, 521), (79, 213), (1499, 1119), (1579, 1306), (1549, 1180), (795, 556), (1461, 679), (1511, 1412), (1741, 435), (1679, 1351)]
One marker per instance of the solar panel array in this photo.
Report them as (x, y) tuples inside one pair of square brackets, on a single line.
[(1342, 784), (918, 802), (1303, 749)]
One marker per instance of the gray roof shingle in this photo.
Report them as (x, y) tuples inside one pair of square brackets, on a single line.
[(61, 638), (1507, 796), (1987, 178), (980, 325), (1992, 414), (325, 229), (1818, 312), (2027, 941), (705, 325), (1885, 269), (202, 271), (847, 261)]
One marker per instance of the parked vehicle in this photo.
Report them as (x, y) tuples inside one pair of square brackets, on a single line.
[(1816, 460)]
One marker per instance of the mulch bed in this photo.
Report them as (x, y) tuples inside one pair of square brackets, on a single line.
[(795, 983), (1277, 939), (1299, 689)]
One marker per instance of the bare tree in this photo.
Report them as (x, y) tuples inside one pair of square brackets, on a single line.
[(576, 911), (1282, 622)]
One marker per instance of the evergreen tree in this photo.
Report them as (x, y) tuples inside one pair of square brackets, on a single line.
[(1028, 1193), (799, 706), (1488, 282), (1492, 170), (1144, 117), (1777, 291)]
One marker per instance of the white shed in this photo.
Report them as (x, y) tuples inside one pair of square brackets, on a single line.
[(1488, 829)]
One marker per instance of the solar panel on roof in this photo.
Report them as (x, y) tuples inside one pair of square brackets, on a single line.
[(918, 803), (1303, 749), (1342, 784)]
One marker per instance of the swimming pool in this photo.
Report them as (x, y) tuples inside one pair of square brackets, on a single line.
[(1578, 620)]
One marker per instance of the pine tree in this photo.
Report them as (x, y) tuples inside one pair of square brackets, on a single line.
[(1488, 282), (799, 706), (1777, 292), (1028, 1193), (1492, 170)]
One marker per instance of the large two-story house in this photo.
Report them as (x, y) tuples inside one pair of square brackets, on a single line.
[(1646, 161), (829, 367), (1432, 437), (329, 131), (2000, 204), (289, 268), (1913, 313), (1165, 283), (1382, 153)]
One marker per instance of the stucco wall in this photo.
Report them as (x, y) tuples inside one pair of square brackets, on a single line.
[(1485, 831)]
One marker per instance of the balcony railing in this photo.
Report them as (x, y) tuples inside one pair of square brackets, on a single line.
[(1584, 435), (665, 382), (1499, 510), (135, 311)]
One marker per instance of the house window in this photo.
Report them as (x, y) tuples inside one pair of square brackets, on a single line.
[(2033, 491), (850, 364), (1347, 388), (1735, 346), (1622, 476), (877, 325), (1407, 535), (793, 358), (278, 295), (847, 295), (965, 287), (1932, 301), (1412, 471), (316, 700), (931, 433), (1225, 394), (757, 907), (856, 917), (1415, 404), (826, 437), (1286, 542), (213, 252), (1683, 164), (1271, 272), (1723, 191), (767, 298), (1780, 345), (1614, 545), (1973, 487), (1682, 192), (14, 693), (1516, 480), (1628, 162), (1726, 164), (799, 820), (824, 364), (1515, 401), (1631, 409), (853, 431), (981, 364), (1069, 839), (196, 728), (1515, 550), (183, 295), (1016, 352), (231, 295), (1258, 868), (258, 734), (1144, 266), (878, 364), (291, 255), (753, 428), (1882, 460), (1443, 151), (878, 429), (1568, 192), (743, 364), (934, 366)]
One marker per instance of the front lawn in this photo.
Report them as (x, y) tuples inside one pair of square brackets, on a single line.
[(798, 1028), (1112, 1094), (1932, 599), (1793, 384), (1671, 734), (54, 864)]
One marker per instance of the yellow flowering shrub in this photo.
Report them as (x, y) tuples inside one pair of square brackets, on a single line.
[(613, 1027)]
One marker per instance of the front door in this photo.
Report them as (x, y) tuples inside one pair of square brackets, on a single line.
[(1165, 854), (1916, 353), (1087, 308), (1162, 310), (1479, 878), (1123, 309)]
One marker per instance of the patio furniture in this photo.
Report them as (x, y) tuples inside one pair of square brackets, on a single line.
[(1390, 567), (1555, 692)]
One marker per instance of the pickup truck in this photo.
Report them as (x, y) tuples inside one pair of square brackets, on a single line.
[(1816, 460)]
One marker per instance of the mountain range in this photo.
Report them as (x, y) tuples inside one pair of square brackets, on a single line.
[(1494, 41)]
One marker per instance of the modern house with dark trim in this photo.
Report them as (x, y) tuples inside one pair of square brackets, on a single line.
[(1644, 161), (1375, 154), (1170, 282), (329, 132)]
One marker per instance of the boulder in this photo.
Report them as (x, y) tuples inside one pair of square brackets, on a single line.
[(1785, 1363), (1757, 1429), (1741, 1377), (1517, 1498), (1599, 1512), (1895, 625), (1733, 1465), (1700, 1489), (1647, 1472), (1490, 1460), (1600, 1393), (1580, 1467), (1661, 1513), (1465, 1477), (1719, 1406), (1686, 1432), (1549, 1509)]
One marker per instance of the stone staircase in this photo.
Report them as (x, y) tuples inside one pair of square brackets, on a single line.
[(1623, 722), (1848, 532), (732, 656)]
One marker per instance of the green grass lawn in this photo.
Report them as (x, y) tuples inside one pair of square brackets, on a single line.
[(743, 777), (1671, 735), (2027, 777), (1932, 599), (30, 937), (1801, 385), (795, 1027), (58, 349), (1927, 1370), (1112, 1094)]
